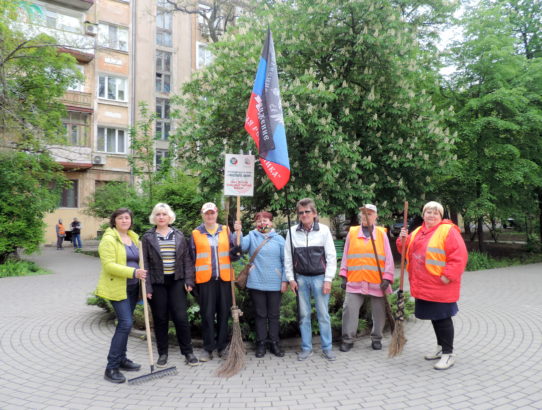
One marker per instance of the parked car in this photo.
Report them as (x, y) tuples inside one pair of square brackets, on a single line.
[(396, 228)]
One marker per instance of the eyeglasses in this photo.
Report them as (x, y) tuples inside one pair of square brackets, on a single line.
[(306, 212)]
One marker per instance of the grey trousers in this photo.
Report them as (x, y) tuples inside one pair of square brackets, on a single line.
[(352, 304)]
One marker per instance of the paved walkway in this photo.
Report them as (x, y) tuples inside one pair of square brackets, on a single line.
[(53, 348)]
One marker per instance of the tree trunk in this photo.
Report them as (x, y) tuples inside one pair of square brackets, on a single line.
[(540, 214), (454, 217), (481, 243)]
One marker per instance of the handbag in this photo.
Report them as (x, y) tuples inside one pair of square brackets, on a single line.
[(242, 278)]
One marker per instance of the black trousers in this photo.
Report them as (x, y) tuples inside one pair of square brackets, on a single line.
[(444, 330), (215, 302), (169, 301), (267, 312)]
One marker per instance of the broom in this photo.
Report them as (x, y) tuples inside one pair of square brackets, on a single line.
[(170, 371), (236, 351), (398, 339), (389, 315)]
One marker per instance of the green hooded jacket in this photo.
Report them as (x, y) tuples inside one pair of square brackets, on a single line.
[(112, 282)]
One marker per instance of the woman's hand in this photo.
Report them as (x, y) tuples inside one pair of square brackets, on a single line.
[(283, 287), (404, 233), (140, 273), (444, 279), (293, 286), (149, 295), (188, 288), (326, 289), (237, 227)]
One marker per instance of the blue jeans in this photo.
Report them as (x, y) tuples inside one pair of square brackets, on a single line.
[(313, 285), (124, 310), (76, 240)]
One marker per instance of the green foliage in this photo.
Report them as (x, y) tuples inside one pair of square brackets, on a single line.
[(356, 91), (29, 188), (20, 268), (480, 261), (33, 76)]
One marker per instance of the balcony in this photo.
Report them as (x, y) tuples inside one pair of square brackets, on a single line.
[(77, 4), (77, 101), (71, 157)]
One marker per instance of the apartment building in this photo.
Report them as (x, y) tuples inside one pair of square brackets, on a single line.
[(129, 52)]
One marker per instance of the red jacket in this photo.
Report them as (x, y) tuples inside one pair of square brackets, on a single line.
[(426, 286)]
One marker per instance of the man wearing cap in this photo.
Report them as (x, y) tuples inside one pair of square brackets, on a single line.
[(361, 278), (310, 268), (213, 248)]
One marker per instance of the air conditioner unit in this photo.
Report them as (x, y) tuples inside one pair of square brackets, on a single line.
[(98, 159), (91, 29)]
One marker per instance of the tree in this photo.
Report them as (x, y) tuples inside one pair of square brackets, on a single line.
[(34, 74), (361, 125), (30, 187)]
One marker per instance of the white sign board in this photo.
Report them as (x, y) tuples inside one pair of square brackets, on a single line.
[(239, 175)]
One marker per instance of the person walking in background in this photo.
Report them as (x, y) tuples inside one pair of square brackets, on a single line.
[(60, 234), (310, 271), (119, 283), (76, 233), (170, 277), (266, 280), (361, 278), (436, 256), (213, 248)]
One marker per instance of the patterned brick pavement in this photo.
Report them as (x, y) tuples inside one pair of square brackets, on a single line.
[(53, 349)]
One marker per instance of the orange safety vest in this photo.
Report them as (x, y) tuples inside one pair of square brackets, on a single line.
[(203, 256), (61, 230), (360, 260), (435, 255)]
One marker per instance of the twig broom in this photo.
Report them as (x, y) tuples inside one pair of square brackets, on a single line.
[(236, 351), (170, 371), (398, 339)]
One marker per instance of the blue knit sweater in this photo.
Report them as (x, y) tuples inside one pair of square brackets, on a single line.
[(267, 273)]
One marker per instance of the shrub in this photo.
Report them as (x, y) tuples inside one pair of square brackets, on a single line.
[(480, 261), (20, 268)]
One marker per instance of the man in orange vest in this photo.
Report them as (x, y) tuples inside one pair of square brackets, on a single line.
[(361, 277)]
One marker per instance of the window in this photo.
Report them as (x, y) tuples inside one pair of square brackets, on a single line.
[(113, 37), (112, 88), (78, 85), (204, 56), (111, 140), (163, 124), (69, 198), (59, 21), (163, 71), (163, 28), (76, 125), (161, 155)]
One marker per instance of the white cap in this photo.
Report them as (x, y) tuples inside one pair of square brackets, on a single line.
[(368, 207), (208, 206)]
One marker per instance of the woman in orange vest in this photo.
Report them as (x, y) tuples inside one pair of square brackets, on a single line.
[(60, 234), (436, 256), (213, 249), (361, 278)]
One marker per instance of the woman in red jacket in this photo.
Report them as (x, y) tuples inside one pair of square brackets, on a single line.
[(437, 256)]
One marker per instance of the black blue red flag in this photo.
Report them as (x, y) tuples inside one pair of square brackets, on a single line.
[(264, 121)]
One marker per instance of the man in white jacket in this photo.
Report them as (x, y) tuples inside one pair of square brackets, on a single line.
[(310, 268)]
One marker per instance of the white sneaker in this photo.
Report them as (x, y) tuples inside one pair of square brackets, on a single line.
[(434, 356), (445, 362)]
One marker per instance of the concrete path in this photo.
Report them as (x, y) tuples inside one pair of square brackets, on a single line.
[(53, 351)]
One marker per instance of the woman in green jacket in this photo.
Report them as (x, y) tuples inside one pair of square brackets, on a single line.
[(119, 282)]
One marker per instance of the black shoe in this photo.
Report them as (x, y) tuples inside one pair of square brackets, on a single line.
[(260, 349), (275, 349), (205, 356), (114, 376), (222, 352), (162, 361), (130, 366), (191, 359), (345, 347), (376, 345)]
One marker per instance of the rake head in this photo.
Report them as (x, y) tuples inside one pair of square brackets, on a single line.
[(170, 371)]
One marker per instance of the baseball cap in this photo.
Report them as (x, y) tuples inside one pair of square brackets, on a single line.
[(208, 206), (368, 207)]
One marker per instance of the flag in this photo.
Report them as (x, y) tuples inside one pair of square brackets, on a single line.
[(264, 121)]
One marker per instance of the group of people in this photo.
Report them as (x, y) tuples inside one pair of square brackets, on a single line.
[(75, 234), (305, 261)]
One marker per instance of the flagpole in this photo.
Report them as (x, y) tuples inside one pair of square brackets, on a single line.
[(292, 253)]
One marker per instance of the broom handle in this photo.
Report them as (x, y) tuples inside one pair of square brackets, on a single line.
[(238, 216), (403, 250), (146, 310)]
